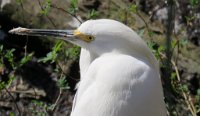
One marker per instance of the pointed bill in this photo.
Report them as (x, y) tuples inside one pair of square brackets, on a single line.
[(42, 32)]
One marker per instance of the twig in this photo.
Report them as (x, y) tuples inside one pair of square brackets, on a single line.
[(73, 15), (39, 93), (35, 93), (146, 24), (51, 21), (178, 47), (25, 47), (14, 101), (63, 72), (46, 15), (139, 15), (58, 98), (21, 5), (185, 95)]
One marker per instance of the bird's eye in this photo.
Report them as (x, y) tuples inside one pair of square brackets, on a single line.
[(90, 38)]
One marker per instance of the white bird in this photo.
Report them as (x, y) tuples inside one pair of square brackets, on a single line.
[(119, 74)]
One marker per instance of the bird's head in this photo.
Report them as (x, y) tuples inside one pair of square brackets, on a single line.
[(98, 36), (105, 36)]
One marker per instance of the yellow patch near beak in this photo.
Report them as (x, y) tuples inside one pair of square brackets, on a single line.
[(84, 37)]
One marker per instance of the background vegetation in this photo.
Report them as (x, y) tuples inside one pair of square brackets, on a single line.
[(38, 75)]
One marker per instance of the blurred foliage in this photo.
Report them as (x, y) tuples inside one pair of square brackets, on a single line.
[(52, 55), (19, 1), (10, 65), (133, 8), (93, 14), (62, 83), (73, 52), (43, 107), (46, 7), (193, 3), (73, 6), (197, 105)]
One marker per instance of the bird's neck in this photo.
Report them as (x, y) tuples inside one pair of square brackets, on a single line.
[(86, 58)]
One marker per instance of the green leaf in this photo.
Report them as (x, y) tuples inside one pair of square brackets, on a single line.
[(73, 52), (185, 88), (2, 85), (151, 44), (198, 97), (51, 107), (74, 6), (173, 43), (57, 47), (173, 76), (10, 57), (133, 8), (46, 7), (19, 1), (11, 78), (141, 32), (9, 53), (151, 33), (161, 49), (25, 59), (1, 48), (12, 114), (198, 92), (74, 3), (93, 14), (184, 41), (62, 83), (193, 2), (51, 56)]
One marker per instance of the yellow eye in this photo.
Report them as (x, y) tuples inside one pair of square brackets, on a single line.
[(87, 38), (90, 38), (84, 37)]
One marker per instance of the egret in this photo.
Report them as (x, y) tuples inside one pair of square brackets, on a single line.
[(119, 74)]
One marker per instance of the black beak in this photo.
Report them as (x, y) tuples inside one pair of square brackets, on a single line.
[(42, 32)]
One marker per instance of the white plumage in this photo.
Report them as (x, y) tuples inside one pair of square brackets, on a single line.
[(119, 74)]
